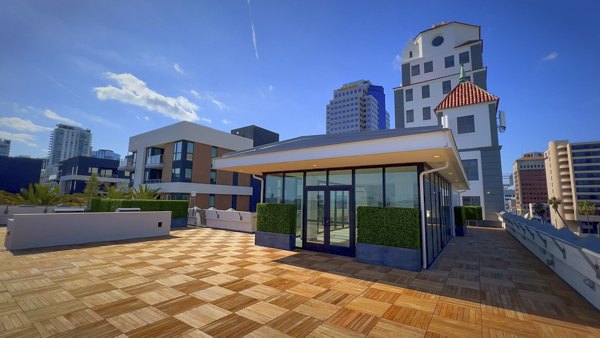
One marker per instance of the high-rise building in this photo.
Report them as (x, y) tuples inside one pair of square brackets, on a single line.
[(443, 77), (106, 154), (69, 141), (4, 147), (573, 175), (431, 63), (530, 181), (357, 106), (177, 159)]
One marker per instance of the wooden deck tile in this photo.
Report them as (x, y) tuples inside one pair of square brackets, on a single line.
[(230, 326), (202, 315), (262, 312), (353, 320)]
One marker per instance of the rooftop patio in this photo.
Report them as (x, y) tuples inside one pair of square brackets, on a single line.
[(209, 282)]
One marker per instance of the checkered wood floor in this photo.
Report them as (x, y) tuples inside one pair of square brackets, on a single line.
[(202, 282)]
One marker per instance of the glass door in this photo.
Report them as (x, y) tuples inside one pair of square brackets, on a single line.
[(329, 220)]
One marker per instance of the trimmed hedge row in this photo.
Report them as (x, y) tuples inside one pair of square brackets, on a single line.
[(178, 208), (397, 227), (276, 218), (462, 214)]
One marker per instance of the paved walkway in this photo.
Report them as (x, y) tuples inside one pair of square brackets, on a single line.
[(207, 282)]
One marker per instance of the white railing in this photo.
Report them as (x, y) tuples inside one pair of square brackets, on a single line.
[(575, 259)]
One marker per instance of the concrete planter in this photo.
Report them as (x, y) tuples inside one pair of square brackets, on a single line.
[(275, 240), (180, 222), (399, 258), (461, 230)]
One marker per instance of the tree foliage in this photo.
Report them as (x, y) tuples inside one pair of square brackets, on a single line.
[(38, 194), (145, 192)]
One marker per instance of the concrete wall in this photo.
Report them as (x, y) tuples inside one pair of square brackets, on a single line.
[(231, 220), (26, 231), (8, 211)]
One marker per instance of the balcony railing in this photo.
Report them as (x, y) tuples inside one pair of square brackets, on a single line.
[(153, 180), (154, 160)]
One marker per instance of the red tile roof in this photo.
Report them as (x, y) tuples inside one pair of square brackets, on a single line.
[(465, 94)]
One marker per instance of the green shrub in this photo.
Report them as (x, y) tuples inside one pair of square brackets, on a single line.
[(463, 214), (277, 218), (397, 227), (178, 209)]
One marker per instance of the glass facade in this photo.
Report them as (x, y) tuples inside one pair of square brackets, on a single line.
[(183, 156), (330, 197)]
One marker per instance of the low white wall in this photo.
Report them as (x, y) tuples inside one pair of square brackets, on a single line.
[(231, 220), (26, 231), (8, 211)]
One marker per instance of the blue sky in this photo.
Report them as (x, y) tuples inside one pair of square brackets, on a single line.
[(125, 67)]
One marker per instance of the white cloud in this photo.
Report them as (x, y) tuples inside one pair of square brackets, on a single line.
[(397, 63), (209, 97), (178, 68), (253, 31), (55, 117), (26, 139), (146, 118), (204, 119), (100, 120), (20, 124), (135, 91), (226, 121), (550, 57), (271, 88)]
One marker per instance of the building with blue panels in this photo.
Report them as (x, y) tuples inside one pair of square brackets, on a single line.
[(19, 172), (75, 172)]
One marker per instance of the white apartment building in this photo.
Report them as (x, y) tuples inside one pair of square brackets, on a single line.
[(573, 175), (66, 142), (443, 77), (357, 106)]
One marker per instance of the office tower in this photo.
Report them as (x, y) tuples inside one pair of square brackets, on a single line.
[(530, 181), (357, 106), (68, 141), (443, 75), (573, 175), (4, 147)]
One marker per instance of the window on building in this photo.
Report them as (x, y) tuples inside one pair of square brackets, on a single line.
[(190, 151), (188, 174), (446, 87), (175, 174), (401, 187), (415, 70), (449, 61), (463, 58), (409, 95), (428, 67), (471, 169), (214, 152), (177, 148), (368, 187), (425, 91), (274, 188), (211, 200), (410, 115), (466, 124), (471, 201), (426, 113), (92, 170), (213, 176)]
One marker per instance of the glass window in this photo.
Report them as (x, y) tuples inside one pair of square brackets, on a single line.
[(211, 200), (463, 58), (426, 113), (425, 91), (177, 151), (428, 67), (92, 170), (175, 174), (368, 187), (340, 177), (415, 70), (466, 124), (410, 115), (437, 41), (188, 174), (213, 176), (316, 178), (274, 188), (401, 188), (294, 190), (472, 201), (214, 152), (449, 61), (190, 151), (446, 87), (471, 169), (409, 95)]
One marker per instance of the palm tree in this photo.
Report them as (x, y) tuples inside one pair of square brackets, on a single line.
[(555, 202), (539, 209), (38, 194), (145, 192), (117, 194), (587, 208)]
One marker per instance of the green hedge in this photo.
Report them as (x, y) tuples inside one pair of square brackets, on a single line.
[(464, 214), (277, 218), (178, 208), (397, 227)]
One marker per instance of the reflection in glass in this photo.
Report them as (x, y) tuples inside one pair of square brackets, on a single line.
[(316, 178), (273, 188), (339, 218), (293, 195), (368, 187), (315, 216), (401, 187), (340, 177)]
